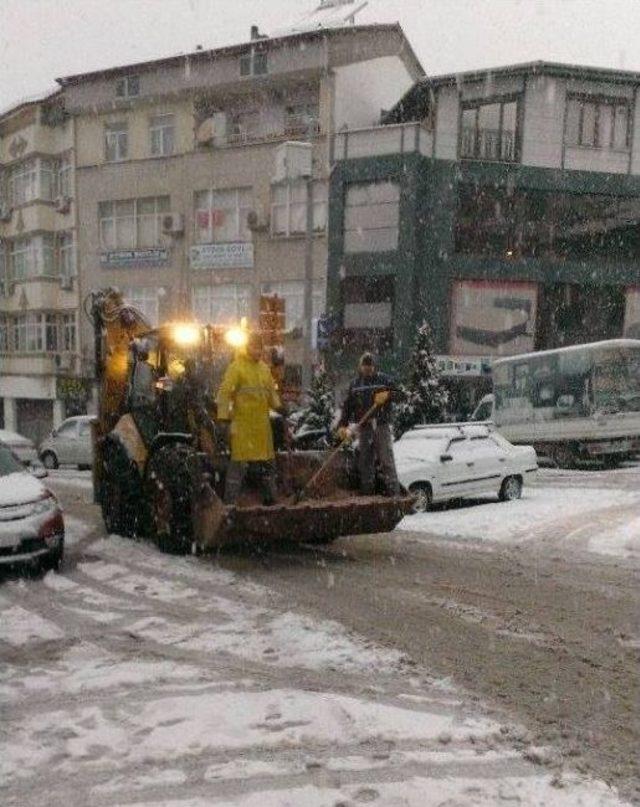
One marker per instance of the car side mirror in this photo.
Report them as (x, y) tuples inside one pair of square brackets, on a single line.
[(446, 458)]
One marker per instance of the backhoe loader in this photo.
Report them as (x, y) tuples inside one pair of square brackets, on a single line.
[(159, 466)]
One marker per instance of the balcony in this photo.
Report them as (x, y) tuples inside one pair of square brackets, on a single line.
[(402, 138)]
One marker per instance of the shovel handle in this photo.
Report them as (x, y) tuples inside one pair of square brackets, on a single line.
[(334, 453)]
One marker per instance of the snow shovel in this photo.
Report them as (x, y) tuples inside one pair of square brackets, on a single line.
[(300, 495)]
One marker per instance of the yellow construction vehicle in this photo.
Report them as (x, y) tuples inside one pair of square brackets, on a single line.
[(159, 462)]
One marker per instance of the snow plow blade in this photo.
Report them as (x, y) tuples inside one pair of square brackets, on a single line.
[(316, 521)]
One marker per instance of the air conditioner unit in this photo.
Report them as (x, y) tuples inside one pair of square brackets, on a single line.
[(62, 204), (5, 212), (173, 224), (213, 130), (66, 282), (293, 161), (257, 221)]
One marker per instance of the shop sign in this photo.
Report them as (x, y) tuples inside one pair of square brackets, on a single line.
[(238, 255), (134, 257), (493, 318), (459, 367)]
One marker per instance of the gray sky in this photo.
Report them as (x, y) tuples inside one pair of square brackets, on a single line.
[(43, 39)]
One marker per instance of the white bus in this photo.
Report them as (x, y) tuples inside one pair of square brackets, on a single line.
[(574, 403)]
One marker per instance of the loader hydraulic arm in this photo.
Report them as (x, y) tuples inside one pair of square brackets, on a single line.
[(115, 324)]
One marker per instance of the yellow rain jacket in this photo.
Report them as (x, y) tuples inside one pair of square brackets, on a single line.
[(246, 395)]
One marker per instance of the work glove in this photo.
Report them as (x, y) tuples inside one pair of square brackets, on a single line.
[(382, 397), (344, 434)]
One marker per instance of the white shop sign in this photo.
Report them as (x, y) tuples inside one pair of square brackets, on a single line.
[(220, 256)]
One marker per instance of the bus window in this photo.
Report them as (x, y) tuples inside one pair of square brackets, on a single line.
[(617, 380)]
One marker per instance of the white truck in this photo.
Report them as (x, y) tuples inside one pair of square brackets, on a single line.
[(573, 403)]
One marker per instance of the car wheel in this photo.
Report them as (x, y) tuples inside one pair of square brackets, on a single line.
[(511, 489), (49, 460), (423, 496)]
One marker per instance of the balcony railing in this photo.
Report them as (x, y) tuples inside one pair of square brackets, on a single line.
[(402, 138)]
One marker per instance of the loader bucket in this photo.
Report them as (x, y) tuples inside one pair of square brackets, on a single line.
[(310, 522), (331, 510)]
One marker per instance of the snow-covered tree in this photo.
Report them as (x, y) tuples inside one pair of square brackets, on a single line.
[(320, 410), (423, 399)]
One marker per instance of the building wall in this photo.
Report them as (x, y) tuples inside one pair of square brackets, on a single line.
[(29, 380)]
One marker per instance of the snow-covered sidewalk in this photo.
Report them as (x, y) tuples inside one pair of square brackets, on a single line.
[(138, 678), (599, 520)]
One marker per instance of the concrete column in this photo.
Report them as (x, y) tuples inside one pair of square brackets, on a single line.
[(11, 414), (59, 413)]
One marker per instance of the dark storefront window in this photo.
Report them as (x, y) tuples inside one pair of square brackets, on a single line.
[(490, 131), (493, 222), (368, 312)]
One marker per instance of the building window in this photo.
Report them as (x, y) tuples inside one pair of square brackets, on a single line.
[(45, 332), (162, 135), (132, 223), (222, 304), (65, 178), (66, 255), (598, 123), (526, 223), (145, 299), (33, 257), (372, 216), (368, 311), (489, 131), (116, 141), (289, 208), (4, 334), (221, 216), (31, 180), (292, 292), (128, 87), (254, 63)]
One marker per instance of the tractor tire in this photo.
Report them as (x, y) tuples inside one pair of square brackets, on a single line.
[(121, 492), (169, 493)]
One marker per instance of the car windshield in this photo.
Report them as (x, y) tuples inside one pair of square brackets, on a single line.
[(9, 463)]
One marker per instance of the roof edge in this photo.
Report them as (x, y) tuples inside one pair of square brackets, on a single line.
[(198, 55)]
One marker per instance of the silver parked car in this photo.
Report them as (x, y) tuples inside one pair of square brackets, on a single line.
[(69, 444)]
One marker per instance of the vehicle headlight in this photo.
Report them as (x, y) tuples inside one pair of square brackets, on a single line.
[(44, 505)]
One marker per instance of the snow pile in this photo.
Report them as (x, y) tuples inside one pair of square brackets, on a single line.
[(623, 541), (541, 513), (20, 627)]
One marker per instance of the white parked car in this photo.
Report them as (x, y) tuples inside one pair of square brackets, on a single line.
[(21, 446), (69, 444), (440, 463)]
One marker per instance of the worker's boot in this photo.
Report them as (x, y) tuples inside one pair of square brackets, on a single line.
[(269, 488)]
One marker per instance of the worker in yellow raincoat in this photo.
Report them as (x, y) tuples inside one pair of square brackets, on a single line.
[(247, 394)]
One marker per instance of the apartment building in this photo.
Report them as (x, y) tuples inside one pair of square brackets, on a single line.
[(41, 376), (182, 206), (501, 205)]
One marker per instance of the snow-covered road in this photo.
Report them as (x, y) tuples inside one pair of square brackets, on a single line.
[(137, 678)]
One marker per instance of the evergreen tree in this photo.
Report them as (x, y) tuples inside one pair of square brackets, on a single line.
[(320, 411), (423, 399)]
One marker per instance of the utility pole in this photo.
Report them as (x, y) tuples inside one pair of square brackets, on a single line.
[(308, 292)]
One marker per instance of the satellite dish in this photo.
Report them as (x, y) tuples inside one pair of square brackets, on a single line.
[(329, 14)]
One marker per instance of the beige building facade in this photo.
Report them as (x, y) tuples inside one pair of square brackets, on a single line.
[(181, 203), (41, 374)]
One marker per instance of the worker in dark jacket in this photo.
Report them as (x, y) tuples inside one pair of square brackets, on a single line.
[(371, 388)]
